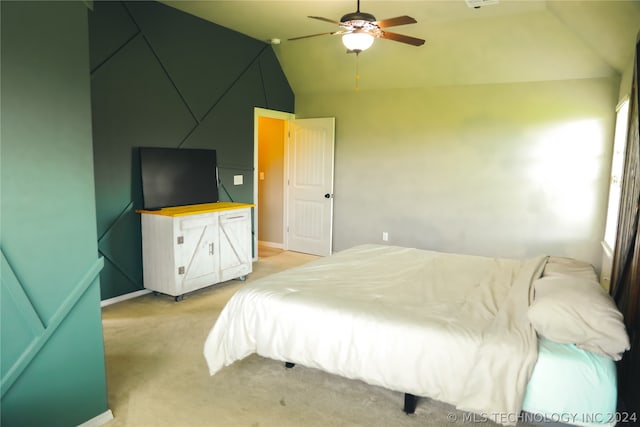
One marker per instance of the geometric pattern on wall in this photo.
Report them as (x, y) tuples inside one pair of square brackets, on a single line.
[(228, 122), (164, 78), (203, 59), (109, 31), (134, 103), (276, 87), (17, 305), (120, 267), (51, 350)]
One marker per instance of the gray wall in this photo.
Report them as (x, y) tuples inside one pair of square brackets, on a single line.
[(161, 77), (509, 170), (52, 353)]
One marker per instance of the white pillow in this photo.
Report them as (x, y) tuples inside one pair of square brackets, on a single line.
[(576, 310), (568, 266)]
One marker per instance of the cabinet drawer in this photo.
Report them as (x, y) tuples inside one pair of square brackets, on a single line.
[(234, 216), (198, 221)]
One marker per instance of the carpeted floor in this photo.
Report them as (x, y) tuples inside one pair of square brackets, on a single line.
[(157, 376)]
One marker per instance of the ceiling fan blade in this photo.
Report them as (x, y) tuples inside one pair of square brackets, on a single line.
[(331, 21), (313, 35), (401, 38), (392, 22)]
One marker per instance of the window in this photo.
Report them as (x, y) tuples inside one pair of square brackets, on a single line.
[(617, 168)]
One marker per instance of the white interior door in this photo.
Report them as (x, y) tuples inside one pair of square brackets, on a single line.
[(309, 212)]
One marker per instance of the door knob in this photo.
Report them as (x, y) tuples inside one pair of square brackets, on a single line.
[(327, 196)]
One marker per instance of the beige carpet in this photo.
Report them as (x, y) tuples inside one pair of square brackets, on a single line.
[(157, 376)]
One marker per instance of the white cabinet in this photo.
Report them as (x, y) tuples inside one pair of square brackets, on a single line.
[(196, 253), (190, 247), (235, 243)]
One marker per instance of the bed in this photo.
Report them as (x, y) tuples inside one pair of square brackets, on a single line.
[(571, 386), (461, 329)]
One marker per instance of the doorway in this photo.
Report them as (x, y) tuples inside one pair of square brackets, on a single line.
[(271, 128), (293, 182)]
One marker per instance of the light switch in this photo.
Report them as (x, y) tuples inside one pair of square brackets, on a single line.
[(261, 176), (237, 180)]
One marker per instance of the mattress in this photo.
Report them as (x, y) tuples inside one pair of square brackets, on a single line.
[(446, 326), (571, 386)]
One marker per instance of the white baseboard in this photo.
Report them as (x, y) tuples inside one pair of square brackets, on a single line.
[(271, 244), (99, 420), (124, 297)]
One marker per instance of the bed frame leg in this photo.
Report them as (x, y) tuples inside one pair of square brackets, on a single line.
[(289, 365), (410, 402)]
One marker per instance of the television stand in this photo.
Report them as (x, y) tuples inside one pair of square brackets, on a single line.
[(186, 248)]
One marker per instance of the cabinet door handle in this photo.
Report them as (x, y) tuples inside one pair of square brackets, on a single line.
[(236, 217), (210, 248)]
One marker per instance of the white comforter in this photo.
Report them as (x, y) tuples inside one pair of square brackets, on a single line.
[(445, 326)]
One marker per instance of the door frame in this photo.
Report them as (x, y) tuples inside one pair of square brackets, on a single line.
[(273, 114)]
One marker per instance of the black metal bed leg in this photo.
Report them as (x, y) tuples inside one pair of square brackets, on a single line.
[(410, 402), (289, 365)]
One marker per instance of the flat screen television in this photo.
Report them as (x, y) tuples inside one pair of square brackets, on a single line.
[(178, 177)]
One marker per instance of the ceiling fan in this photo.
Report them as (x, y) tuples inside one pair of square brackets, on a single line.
[(359, 29)]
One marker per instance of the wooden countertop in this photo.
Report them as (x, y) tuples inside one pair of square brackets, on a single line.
[(196, 209)]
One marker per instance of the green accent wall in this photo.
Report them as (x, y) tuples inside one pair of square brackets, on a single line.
[(52, 353), (161, 77)]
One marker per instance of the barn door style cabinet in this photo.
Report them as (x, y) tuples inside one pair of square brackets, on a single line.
[(187, 248)]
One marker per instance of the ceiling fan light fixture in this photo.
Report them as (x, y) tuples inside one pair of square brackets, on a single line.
[(357, 41)]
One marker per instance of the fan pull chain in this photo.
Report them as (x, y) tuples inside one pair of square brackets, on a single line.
[(357, 88)]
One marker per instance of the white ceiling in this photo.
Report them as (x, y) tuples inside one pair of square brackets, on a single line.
[(512, 41)]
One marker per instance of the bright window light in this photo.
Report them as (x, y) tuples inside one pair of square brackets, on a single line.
[(564, 166), (617, 168)]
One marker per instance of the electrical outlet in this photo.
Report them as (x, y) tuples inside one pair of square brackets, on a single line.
[(385, 236)]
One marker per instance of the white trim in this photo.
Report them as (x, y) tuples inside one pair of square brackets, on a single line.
[(608, 251), (124, 297), (271, 244), (99, 420), (285, 186), (621, 103)]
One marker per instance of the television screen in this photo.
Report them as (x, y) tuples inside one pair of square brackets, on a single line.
[(178, 177)]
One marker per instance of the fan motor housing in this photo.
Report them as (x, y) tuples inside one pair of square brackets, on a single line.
[(358, 16)]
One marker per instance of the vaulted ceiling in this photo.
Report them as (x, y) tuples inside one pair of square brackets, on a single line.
[(511, 41)]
